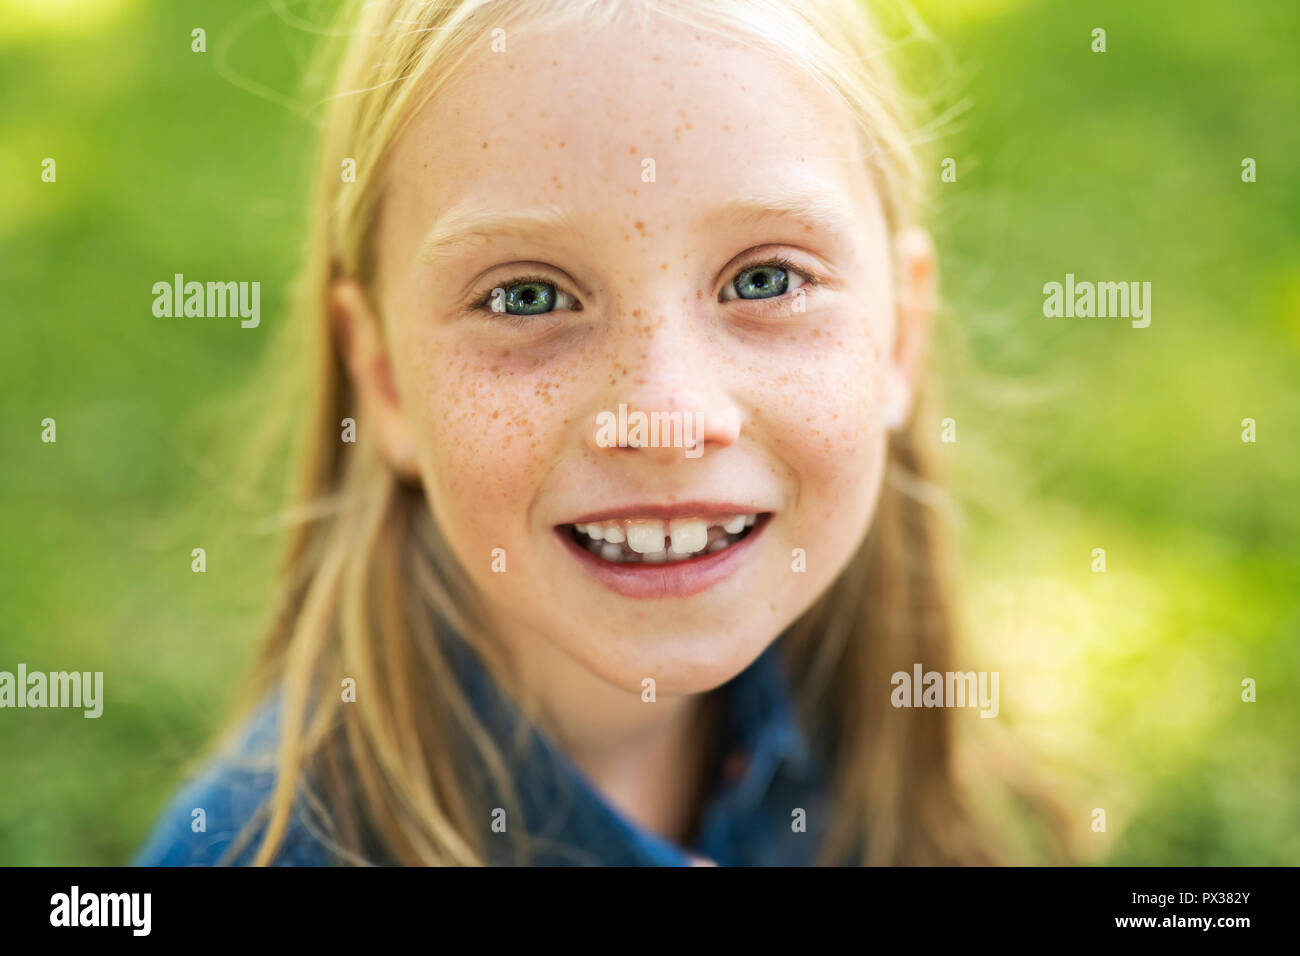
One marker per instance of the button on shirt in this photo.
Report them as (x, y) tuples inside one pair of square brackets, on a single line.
[(767, 807)]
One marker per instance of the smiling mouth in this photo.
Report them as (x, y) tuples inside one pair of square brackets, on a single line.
[(648, 541)]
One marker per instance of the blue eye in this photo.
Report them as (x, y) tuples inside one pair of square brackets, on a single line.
[(529, 298), (528, 295), (766, 280), (762, 282)]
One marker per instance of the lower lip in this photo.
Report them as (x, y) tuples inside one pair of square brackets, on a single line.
[(676, 580)]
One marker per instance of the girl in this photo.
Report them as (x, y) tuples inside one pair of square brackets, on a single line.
[(505, 636)]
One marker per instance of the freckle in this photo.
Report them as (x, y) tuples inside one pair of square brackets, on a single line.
[(426, 165), (632, 151), (561, 146), (726, 128), (639, 226), (689, 126), (626, 237), (699, 293), (664, 267), (496, 414)]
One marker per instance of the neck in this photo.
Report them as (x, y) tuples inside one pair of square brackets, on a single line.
[(651, 760)]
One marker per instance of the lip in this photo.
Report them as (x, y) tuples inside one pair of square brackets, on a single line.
[(677, 580), (684, 509)]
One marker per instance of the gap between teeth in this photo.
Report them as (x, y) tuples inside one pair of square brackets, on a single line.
[(659, 541)]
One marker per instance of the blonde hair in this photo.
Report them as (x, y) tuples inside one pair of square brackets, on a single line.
[(367, 579)]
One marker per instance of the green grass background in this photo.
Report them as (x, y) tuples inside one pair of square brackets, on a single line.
[(1072, 434)]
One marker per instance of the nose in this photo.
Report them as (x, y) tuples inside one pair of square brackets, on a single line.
[(671, 397)]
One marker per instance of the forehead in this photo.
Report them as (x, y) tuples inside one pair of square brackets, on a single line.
[(576, 117)]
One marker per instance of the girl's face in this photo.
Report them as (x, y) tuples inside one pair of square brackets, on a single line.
[(672, 225)]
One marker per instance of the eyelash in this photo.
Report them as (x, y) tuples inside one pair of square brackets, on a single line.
[(480, 301), (810, 281)]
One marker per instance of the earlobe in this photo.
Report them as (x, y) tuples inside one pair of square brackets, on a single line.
[(356, 329), (364, 350), (916, 294)]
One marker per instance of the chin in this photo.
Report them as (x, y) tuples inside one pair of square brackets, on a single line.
[(680, 662)]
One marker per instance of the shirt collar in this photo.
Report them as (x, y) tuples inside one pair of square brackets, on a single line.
[(570, 822), (762, 714)]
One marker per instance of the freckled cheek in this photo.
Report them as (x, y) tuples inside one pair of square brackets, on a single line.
[(826, 408), (487, 433), (825, 423)]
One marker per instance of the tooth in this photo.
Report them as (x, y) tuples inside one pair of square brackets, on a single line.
[(735, 525), (611, 552), (655, 557), (613, 533), (596, 531), (749, 520), (689, 535), (718, 545), (646, 537), (582, 528)]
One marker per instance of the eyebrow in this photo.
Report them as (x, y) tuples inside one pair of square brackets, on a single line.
[(460, 227), (816, 206)]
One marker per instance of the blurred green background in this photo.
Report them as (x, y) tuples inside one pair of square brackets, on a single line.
[(1072, 434)]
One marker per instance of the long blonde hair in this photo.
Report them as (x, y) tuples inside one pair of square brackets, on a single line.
[(367, 579)]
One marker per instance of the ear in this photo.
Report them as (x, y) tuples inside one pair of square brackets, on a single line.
[(365, 352), (916, 286)]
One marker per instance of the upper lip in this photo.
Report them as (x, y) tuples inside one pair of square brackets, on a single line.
[(681, 509)]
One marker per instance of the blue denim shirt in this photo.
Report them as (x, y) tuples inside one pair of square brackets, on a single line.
[(752, 816)]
